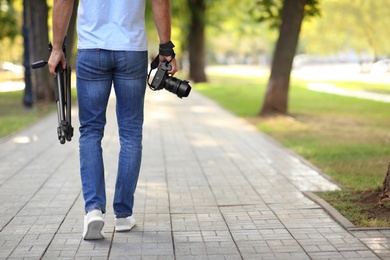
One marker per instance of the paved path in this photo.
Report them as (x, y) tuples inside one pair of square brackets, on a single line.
[(211, 187)]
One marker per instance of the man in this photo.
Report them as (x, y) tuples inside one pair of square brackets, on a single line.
[(112, 48)]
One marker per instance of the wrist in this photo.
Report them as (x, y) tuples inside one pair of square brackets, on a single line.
[(166, 49), (55, 47)]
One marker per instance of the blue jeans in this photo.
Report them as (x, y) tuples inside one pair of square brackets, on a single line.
[(96, 70)]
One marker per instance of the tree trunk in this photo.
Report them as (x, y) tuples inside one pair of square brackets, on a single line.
[(276, 97), (196, 40), (385, 195), (42, 81), (386, 182), (28, 95)]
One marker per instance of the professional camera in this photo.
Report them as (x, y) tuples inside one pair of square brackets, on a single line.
[(163, 80)]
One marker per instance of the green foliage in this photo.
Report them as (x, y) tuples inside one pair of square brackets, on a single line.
[(349, 25), (233, 28), (232, 34), (8, 20), (312, 9), (11, 40), (270, 11)]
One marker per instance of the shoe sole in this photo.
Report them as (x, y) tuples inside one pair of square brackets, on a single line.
[(123, 228), (94, 230)]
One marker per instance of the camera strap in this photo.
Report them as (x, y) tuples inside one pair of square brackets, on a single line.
[(155, 63)]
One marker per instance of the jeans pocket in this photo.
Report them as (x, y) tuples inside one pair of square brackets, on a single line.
[(136, 64), (88, 64)]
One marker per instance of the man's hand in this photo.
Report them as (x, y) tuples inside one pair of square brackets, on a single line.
[(62, 11), (56, 57), (173, 63)]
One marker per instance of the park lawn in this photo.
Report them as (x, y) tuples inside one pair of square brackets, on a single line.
[(14, 117), (347, 138)]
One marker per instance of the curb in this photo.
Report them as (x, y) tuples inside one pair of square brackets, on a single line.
[(330, 210), (344, 222)]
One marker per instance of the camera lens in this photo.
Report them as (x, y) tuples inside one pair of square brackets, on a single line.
[(179, 87)]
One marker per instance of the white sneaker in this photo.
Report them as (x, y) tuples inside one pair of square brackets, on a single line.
[(124, 224), (93, 225)]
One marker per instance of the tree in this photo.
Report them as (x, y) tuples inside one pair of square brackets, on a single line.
[(291, 14), (42, 81), (385, 196), (196, 40), (28, 99)]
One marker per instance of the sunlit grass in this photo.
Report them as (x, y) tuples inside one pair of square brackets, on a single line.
[(230, 90), (13, 115)]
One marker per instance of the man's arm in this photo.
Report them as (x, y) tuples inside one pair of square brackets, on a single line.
[(162, 17), (62, 11)]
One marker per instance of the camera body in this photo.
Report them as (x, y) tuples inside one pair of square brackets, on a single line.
[(162, 79)]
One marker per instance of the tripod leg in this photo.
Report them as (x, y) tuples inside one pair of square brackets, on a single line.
[(60, 104), (69, 132)]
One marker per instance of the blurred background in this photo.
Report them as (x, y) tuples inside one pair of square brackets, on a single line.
[(213, 32)]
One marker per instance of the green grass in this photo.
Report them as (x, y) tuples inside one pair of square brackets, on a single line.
[(348, 138), (229, 91), (14, 117)]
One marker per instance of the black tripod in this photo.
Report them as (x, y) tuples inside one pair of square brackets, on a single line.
[(62, 93)]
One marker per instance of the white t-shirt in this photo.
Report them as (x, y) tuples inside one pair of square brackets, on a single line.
[(112, 25)]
